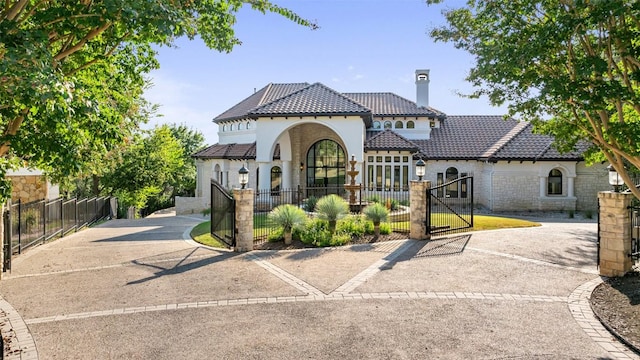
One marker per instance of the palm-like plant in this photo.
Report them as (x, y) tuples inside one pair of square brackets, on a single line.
[(377, 213), (287, 216), (332, 208)]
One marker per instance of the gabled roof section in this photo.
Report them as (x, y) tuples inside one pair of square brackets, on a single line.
[(388, 140), (263, 96), (533, 147), (466, 137), (390, 104), (315, 99)]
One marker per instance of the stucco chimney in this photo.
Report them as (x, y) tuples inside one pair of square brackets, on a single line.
[(422, 87)]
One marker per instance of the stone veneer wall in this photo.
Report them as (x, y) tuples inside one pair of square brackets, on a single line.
[(515, 191), (27, 188), (589, 181)]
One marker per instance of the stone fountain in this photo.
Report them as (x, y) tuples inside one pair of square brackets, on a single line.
[(355, 206)]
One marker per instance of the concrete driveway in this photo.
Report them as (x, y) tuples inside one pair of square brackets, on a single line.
[(137, 290)]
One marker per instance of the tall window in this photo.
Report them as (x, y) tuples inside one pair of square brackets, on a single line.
[(326, 165), (554, 182), (452, 189), (276, 180), (388, 173)]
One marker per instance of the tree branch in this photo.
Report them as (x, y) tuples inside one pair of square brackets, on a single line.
[(15, 10), (92, 34)]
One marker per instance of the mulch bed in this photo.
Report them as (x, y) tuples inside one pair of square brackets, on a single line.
[(617, 303), (297, 244)]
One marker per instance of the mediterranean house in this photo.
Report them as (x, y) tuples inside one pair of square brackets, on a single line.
[(300, 134)]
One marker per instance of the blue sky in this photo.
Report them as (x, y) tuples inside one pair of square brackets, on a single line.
[(361, 46)]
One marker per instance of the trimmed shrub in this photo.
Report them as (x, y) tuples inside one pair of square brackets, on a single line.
[(385, 228), (276, 235), (332, 208), (353, 224), (310, 204), (315, 231), (287, 217)]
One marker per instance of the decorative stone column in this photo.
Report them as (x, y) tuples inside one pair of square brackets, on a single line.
[(419, 211), (615, 233), (244, 219)]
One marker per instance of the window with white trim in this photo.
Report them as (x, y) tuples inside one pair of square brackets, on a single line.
[(554, 182), (388, 172)]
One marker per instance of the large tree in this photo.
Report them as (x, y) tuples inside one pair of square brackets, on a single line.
[(571, 66), (71, 72)]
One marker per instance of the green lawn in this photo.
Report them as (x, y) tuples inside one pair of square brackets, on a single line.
[(202, 234)]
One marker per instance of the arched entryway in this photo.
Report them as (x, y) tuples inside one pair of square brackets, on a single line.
[(326, 164)]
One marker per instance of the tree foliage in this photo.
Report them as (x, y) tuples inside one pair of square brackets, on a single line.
[(146, 169), (570, 66), (71, 72), (190, 141)]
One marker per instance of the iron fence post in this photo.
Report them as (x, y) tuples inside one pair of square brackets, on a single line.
[(19, 226)]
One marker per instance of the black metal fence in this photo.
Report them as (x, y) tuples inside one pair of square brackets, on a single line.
[(634, 212), (306, 197), (450, 214), (28, 224), (223, 212)]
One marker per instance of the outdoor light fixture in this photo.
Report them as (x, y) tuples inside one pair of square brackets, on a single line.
[(615, 179), (243, 176), (301, 166), (420, 169)]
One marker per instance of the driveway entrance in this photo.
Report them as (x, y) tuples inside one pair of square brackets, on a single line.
[(136, 290)]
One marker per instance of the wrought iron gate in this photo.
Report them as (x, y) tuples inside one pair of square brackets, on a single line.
[(223, 214), (450, 206), (634, 212)]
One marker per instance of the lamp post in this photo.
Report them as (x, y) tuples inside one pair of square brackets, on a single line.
[(615, 179), (420, 169), (243, 176)]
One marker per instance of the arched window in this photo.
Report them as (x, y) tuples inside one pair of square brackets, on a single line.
[(554, 182), (276, 180), (399, 125), (248, 125), (326, 165), (410, 124), (241, 126), (450, 175), (376, 124), (224, 128), (387, 124)]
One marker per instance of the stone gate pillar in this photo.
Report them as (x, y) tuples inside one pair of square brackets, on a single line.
[(244, 219), (615, 233), (419, 211)]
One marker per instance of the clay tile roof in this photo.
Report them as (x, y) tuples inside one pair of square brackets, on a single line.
[(388, 140), (311, 100), (465, 137), (527, 145), (232, 152), (227, 151), (390, 104), (263, 96)]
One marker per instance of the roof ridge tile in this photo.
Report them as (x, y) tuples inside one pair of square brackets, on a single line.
[(503, 141)]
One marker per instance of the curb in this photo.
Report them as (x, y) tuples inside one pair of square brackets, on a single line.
[(613, 331)]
